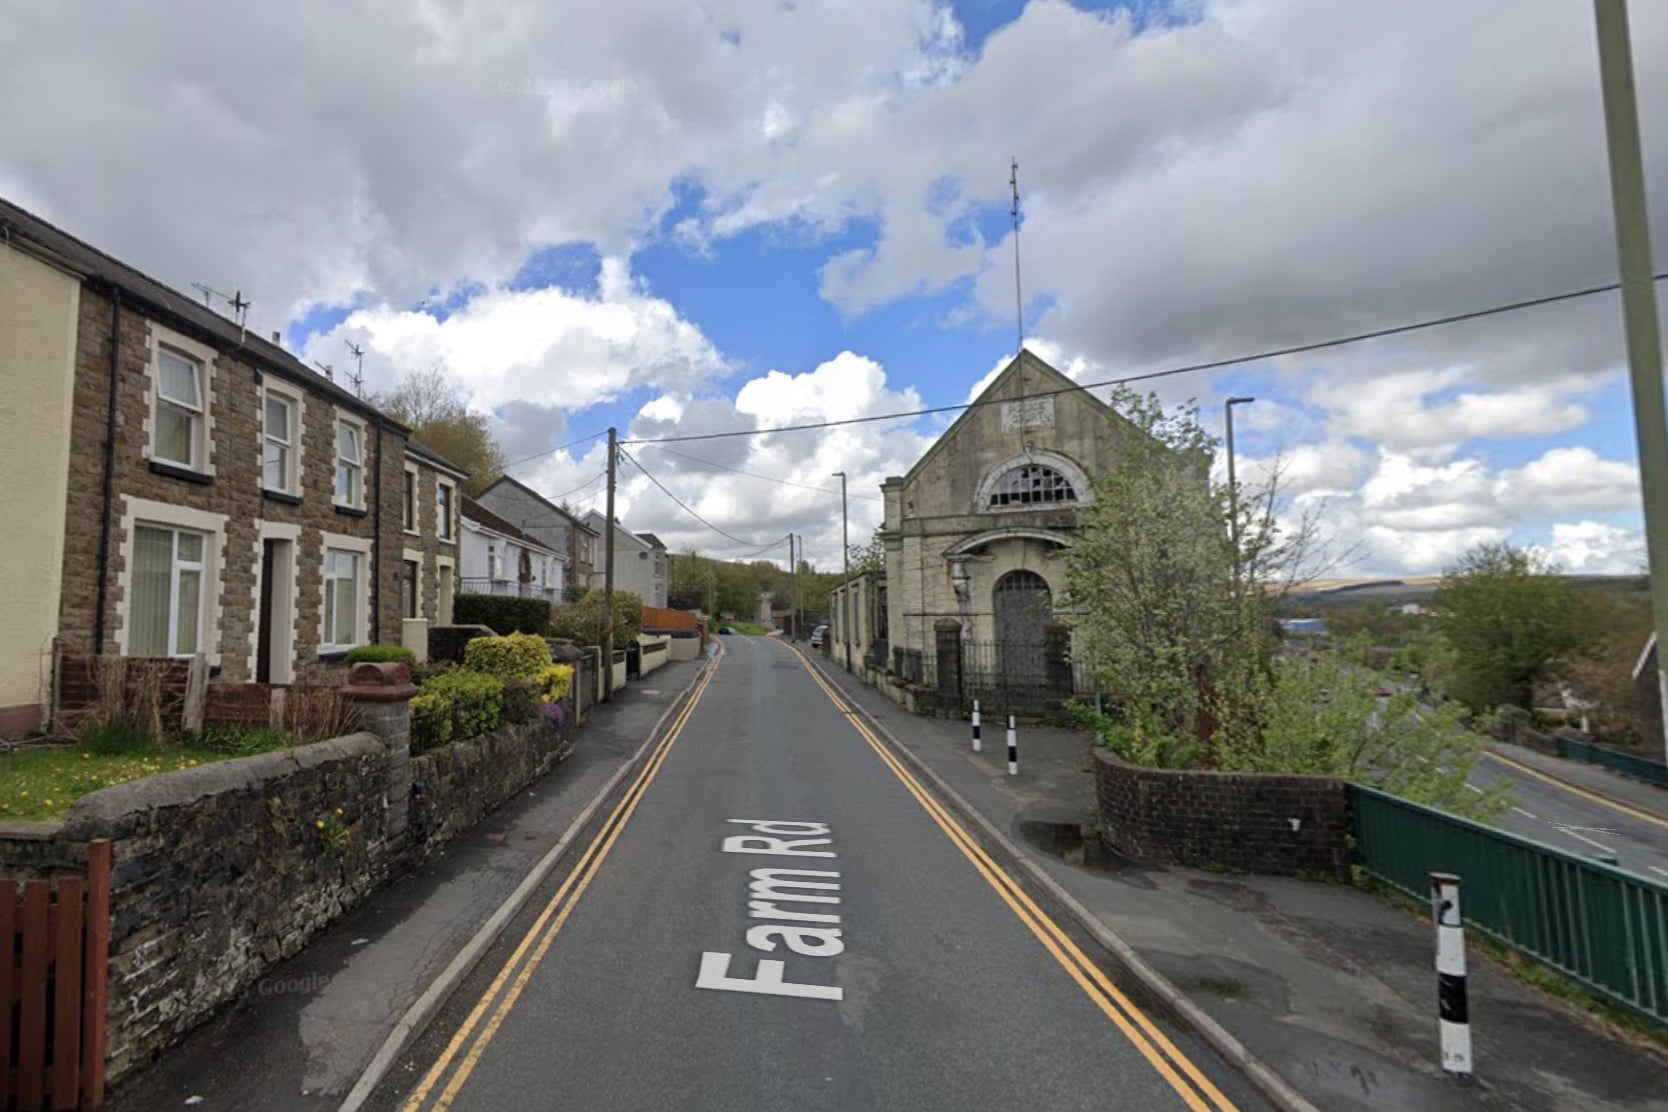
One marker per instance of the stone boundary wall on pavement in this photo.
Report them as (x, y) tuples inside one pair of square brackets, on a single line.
[(220, 872), (223, 870), (455, 786), (1243, 822)]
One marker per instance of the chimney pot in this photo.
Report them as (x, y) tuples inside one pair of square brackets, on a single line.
[(278, 338)]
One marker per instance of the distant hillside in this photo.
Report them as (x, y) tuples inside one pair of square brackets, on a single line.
[(1323, 593)]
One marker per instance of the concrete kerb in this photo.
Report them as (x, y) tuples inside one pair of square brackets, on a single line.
[(1270, 1084), (422, 1012)]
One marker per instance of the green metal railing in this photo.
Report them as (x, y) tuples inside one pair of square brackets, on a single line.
[(1653, 772), (1601, 926)]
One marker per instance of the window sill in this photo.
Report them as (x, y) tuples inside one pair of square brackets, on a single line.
[(282, 496), (331, 655), (411, 532), (350, 511), (184, 474)]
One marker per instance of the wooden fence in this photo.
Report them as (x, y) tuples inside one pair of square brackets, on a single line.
[(656, 620), (54, 955)]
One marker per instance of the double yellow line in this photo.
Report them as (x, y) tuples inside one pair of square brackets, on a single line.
[(1195, 1089), (1591, 796), (556, 914)]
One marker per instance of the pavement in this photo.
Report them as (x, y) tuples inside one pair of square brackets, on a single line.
[(302, 1037), (1330, 988), (1581, 808)]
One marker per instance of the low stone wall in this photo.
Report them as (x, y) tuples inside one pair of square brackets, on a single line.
[(220, 872), (223, 870), (1243, 822), (455, 786)]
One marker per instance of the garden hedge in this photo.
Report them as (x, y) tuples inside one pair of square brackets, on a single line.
[(503, 613)]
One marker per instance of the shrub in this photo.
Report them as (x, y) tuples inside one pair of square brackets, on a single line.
[(581, 623), (524, 655), (521, 701), (555, 682), (503, 613), (381, 654), (455, 706)]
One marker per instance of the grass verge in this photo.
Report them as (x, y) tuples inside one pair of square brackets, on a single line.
[(751, 629), (40, 782)]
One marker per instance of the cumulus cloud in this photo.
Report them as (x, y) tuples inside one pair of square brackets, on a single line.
[(1593, 548)]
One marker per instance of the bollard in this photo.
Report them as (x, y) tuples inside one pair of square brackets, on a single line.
[(1455, 1018), (1013, 749), (975, 725)]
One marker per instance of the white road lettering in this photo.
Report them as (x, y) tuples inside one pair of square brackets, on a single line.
[(767, 890), (777, 847), (772, 826), (715, 970), (813, 942)]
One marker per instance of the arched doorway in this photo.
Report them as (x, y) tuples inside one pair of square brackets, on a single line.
[(1023, 607)]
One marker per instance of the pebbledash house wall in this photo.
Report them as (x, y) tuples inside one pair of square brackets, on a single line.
[(226, 500)]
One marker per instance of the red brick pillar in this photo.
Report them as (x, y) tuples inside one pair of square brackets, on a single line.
[(381, 696)]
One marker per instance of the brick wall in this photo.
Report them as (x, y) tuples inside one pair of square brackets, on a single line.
[(1244, 822), (233, 490)]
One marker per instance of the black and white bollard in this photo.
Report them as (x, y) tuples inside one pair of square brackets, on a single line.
[(1450, 975), (975, 725), (1013, 749)]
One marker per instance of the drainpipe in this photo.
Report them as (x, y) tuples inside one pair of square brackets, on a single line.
[(109, 471), (376, 545)]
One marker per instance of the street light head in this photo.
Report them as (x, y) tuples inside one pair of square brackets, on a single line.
[(1240, 401)]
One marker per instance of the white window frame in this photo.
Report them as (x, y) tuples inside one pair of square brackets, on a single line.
[(295, 399), (446, 510), (1067, 467), (202, 436), (137, 511), (356, 497), (415, 477), (360, 547), (176, 566)]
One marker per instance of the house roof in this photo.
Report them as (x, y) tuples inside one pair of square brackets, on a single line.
[(598, 522), (480, 515), (1054, 384), (28, 232), (415, 447), (583, 523), (654, 541)]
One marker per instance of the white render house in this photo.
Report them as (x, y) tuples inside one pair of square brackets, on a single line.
[(499, 559)]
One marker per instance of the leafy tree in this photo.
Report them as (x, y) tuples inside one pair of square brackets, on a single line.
[(870, 557), (581, 622), (1614, 628), (439, 416), (1509, 618), (1151, 581), (1325, 717)]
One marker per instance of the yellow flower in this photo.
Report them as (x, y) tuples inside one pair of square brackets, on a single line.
[(338, 810), (321, 824)]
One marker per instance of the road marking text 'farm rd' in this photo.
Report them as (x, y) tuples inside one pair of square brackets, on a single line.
[(768, 890)]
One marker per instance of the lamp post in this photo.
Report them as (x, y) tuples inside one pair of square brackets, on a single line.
[(1233, 485), (845, 555), (1639, 311)]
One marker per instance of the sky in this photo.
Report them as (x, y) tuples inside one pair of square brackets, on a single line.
[(680, 219)]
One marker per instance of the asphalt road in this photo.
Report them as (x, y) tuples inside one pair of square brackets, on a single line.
[(1576, 822), (641, 983)]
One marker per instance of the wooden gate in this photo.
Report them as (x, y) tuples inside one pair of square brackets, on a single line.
[(54, 954)]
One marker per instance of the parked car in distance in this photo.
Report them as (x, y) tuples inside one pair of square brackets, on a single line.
[(817, 635), (725, 629)]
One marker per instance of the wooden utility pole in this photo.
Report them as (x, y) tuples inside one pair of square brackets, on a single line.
[(608, 575)]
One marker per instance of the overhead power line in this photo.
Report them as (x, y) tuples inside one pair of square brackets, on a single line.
[(553, 451), (1190, 368), (739, 540), (754, 474)]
